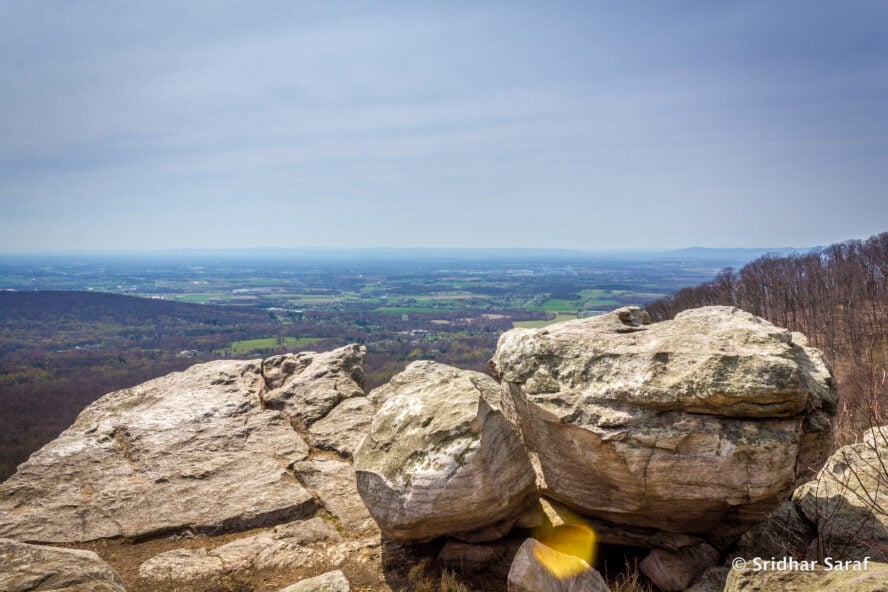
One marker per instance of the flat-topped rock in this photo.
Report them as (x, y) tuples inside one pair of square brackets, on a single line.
[(698, 425)]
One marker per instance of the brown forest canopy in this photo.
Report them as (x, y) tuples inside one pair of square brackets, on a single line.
[(837, 296)]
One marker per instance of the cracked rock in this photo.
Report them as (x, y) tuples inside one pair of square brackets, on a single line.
[(198, 450)]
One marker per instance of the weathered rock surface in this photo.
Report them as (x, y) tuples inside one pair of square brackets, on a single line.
[(26, 568), (198, 449), (528, 574), (842, 514), (694, 425), (675, 571), (307, 386), (873, 579), (333, 482), (786, 533), (343, 429), (332, 581), (308, 543), (711, 580), (441, 458)]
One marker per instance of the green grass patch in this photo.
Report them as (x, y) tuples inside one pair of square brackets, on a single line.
[(200, 298), (559, 304), (239, 348)]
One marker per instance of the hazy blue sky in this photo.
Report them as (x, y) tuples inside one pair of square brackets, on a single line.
[(491, 124)]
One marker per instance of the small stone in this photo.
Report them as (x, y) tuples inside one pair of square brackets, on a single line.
[(333, 581), (528, 574), (675, 571)]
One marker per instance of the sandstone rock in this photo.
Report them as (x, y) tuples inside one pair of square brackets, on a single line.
[(848, 501), (26, 568), (343, 429), (694, 425), (333, 581), (197, 450), (307, 386), (528, 574), (711, 580), (675, 571), (303, 542), (441, 459), (334, 483), (872, 579)]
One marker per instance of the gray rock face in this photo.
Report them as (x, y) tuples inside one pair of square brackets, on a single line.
[(309, 543), (343, 429), (694, 425), (27, 568), (711, 580), (333, 482), (198, 449), (333, 581), (307, 386), (441, 459), (675, 571), (848, 501), (528, 574)]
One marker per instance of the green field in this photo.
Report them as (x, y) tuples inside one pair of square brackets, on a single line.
[(199, 298), (558, 304), (239, 348), (534, 324)]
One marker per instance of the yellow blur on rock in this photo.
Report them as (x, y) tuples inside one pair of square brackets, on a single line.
[(567, 544)]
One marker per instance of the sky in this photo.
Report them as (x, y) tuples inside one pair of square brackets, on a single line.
[(584, 125)]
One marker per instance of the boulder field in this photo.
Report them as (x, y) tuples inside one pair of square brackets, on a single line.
[(677, 437)]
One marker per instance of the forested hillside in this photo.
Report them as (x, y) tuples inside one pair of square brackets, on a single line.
[(837, 296)]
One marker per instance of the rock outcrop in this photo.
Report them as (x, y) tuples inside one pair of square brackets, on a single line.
[(209, 449), (842, 514), (441, 458), (307, 386), (312, 543), (697, 425), (27, 568)]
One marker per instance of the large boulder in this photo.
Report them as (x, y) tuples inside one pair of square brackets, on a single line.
[(27, 568), (441, 458), (209, 449), (701, 424)]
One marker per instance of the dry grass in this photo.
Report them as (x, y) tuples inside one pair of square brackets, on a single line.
[(630, 579), (426, 576)]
